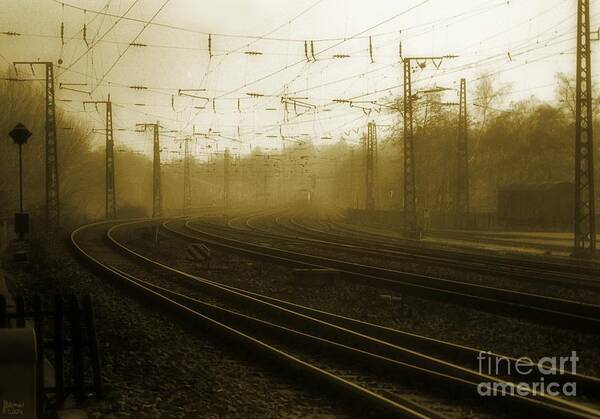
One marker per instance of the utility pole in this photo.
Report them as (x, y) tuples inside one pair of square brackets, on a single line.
[(52, 195), (462, 175), (265, 189), (156, 191), (584, 223), (187, 183), (187, 180), (371, 157), (410, 193), (352, 180), (226, 179), (111, 201)]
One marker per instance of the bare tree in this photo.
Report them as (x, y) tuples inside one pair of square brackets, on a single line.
[(487, 95), (565, 92)]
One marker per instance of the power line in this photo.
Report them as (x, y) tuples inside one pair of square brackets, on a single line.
[(128, 46)]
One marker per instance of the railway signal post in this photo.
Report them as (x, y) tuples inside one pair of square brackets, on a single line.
[(20, 134)]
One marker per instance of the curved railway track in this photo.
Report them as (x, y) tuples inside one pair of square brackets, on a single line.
[(555, 264), (547, 310), (358, 361), (337, 237), (562, 273)]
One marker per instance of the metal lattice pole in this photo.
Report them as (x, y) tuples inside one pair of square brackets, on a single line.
[(156, 190), (584, 223), (52, 191), (410, 198), (226, 179), (110, 199), (371, 151), (187, 182), (462, 176), (410, 189)]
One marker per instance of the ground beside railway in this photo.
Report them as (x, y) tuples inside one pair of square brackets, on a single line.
[(154, 368), (443, 321)]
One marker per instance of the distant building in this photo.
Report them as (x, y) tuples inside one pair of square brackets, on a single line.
[(543, 206)]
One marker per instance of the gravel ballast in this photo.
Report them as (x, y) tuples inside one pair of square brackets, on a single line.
[(153, 367)]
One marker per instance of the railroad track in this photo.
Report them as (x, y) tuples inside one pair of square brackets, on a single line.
[(526, 270), (357, 361), (546, 310), (554, 264)]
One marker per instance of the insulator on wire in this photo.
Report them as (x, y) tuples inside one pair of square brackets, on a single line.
[(371, 50), (306, 50), (239, 107), (62, 26), (85, 29), (210, 46), (173, 102), (400, 49), (214, 106), (312, 50)]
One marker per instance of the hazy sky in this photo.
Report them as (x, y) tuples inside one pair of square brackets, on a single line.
[(526, 42)]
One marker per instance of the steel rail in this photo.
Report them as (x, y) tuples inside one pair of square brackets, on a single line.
[(547, 310)]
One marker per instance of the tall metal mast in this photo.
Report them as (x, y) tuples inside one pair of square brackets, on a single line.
[(410, 193), (370, 156), (410, 198), (584, 223), (52, 190), (111, 201), (226, 178), (462, 175), (156, 190), (187, 181)]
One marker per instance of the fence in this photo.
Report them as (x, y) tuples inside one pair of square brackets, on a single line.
[(72, 341)]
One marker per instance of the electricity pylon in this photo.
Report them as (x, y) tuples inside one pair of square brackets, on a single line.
[(111, 201), (156, 190), (226, 179), (410, 193), (187, 179), (371, 161), (584, 222), (462, 175)]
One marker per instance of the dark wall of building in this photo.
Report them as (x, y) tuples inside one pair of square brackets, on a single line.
[(547, 206)]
